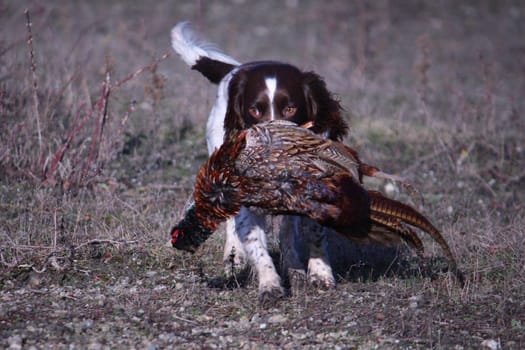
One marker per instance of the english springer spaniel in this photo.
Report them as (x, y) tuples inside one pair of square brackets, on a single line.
[(247, 94)]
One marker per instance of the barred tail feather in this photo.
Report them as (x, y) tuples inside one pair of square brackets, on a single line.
[(398, 214), (406, 233)]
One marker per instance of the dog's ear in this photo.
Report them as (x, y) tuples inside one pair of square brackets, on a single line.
[(323, 109), (234, 120), (309, 85)]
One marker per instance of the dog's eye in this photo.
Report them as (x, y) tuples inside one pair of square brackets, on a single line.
[(289, 111), (254, 112)]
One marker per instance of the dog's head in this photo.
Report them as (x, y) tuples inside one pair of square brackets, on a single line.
[(262, 91)]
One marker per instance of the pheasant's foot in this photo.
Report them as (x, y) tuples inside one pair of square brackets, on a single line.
[(233, 268), (269, 296), (234, 262), (297, 279)]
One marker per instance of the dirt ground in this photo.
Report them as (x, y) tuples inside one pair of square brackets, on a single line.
[(101, 138)]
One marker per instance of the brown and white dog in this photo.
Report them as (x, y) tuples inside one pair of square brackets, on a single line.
[(248, 94)]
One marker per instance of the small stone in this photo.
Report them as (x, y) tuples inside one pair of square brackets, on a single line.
[(279, 318), (15, 342), (151, 273), (380, 316), (86, 324), (35, 281), (414, 301), (490, 344)]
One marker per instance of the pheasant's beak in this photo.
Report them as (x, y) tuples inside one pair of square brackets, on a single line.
[(307, 125)]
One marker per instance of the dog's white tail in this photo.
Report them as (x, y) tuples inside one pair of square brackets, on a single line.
[(191, 48)]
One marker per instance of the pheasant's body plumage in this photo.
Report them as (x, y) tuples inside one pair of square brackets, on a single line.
[(286, 169)]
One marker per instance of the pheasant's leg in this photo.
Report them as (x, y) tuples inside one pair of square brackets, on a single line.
[(234, 255), (250, 228), (319, 270), (291, 247)]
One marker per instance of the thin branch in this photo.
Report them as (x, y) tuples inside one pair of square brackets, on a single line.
[(120, 130), (96, 127), (417, 163), (104, 241), (55, 232), (71, 133), (13, 263), (141, 70), (35, 81), (185, 320), (104, 115), (9, 144)]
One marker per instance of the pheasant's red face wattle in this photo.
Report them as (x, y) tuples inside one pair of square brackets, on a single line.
[(175, 235)]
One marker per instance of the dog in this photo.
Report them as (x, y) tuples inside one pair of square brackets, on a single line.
[(247, 94)]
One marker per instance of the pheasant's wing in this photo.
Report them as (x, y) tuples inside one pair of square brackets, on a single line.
[(284, 145), (337, 200), (334, 154)]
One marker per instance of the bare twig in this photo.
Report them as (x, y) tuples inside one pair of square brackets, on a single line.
[(24, 246), (104, 241), (35, 81), (141, 70), (11, 141), (13, 263), (185, 320), (363, 36), (71, 133), (417, 163), (163, 187), (116, 137), (55, 231), (101, 103), (104, 113)]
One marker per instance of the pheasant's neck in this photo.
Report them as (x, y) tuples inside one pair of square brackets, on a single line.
[(217, 195), (211, 212), (204, 219)]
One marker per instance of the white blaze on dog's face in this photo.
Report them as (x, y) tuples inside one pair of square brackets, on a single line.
[(271, 84)]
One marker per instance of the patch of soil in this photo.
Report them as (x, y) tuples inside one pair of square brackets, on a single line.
[(130, 304)]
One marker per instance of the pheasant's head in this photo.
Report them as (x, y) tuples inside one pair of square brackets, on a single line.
[(189, 233)]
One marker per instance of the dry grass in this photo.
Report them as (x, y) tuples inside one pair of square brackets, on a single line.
[(97, 160)]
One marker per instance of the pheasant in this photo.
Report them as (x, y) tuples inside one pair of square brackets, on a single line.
[(283, 168)]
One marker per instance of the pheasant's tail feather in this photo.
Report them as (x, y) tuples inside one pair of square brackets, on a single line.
[(405, 232), (395, 214)]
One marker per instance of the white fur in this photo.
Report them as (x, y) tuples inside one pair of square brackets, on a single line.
[(250, 229), (190, 48), (215, 124), (271, 86)]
